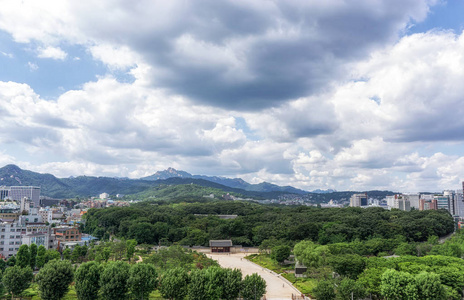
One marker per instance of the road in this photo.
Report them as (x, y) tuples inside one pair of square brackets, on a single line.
[(277, 288)]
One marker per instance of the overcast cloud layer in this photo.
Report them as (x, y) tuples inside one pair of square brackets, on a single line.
[(314, 94)]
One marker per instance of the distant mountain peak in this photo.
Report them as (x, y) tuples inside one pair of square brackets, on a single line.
[(168, 173)]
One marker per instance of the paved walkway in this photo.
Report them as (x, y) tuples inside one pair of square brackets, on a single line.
[(277, 288)]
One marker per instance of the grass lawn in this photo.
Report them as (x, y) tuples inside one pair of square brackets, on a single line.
[(304, 285), (32, 293)]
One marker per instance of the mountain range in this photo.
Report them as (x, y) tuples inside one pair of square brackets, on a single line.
[(86, 186), (237, 183)]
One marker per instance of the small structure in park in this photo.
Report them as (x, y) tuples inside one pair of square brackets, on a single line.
[(220, 245), (300, 270)]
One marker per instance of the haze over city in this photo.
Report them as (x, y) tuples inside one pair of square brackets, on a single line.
[(345, 95)]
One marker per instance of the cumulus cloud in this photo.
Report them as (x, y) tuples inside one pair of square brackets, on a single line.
[(312, 94), (51, 52), (244, 55)]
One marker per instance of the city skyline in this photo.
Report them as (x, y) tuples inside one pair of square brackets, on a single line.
[(345, 95)]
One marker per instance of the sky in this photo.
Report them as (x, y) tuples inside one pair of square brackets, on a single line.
[(338, 94)]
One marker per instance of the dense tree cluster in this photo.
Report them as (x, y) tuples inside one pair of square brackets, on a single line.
[(437, 275), (167, 223)]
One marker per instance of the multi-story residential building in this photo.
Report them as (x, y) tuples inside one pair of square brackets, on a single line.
[(426, 204), (17, 193), (67, 234), (452, 199), (358, 200), (413, 200), (443, 202), (27, 229)]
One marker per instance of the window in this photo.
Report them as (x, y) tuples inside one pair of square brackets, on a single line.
[(16, 249), (18, 236), (3, 229), (1, 249), (11, 236), (10, 249), (18, 243), (2, 236), (11, 243), (12, 230)]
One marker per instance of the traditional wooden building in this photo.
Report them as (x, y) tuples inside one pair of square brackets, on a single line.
[(220, 245)]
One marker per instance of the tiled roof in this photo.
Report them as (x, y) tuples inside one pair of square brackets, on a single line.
[(220, 243)]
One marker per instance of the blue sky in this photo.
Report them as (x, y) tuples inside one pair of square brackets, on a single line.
[(346, 95)]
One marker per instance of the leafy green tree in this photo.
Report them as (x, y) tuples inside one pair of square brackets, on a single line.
[(40, 256), (370, 279), (142, 280), (33, 253), (130, 245), (232, 282), (253, 287), (87, 278), (54, 279), (51, 254), (324, 290), (280, 253), (429, 287), (113, 281), (23, 257), (214, 282), (398, 286), (75, 254), (2, 265), (310, 254), (405, 249), (173, 284), (197, 285), (350, 265), (11, 261), (17, 279), (67, 254), (350, 289)]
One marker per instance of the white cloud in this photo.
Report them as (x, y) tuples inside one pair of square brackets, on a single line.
[(32, 66), (51, 52)]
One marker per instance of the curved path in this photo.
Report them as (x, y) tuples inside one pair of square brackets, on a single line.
[(277, 287)]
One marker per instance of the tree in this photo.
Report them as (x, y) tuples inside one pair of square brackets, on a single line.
[(23, 257), (253, 287), (142, 280), (350, 265), (324, 290), (67, 254), (113, 280), (280, 253), (231, 284), (11, 261), (40, 256), (350, 289), (87, 280), (429, 286), (173, 283), (214, 280), (33, 252), (51, 254), (75, 254), (197, 285), (310, 254), (17, 279), (54, 279), (130, 245), (397, 285)]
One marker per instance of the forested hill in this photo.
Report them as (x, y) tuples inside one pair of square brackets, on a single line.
[(86, 186), (155, 222)]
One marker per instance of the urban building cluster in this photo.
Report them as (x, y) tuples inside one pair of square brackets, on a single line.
[(450, 200), (23, 220)]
